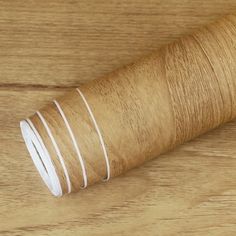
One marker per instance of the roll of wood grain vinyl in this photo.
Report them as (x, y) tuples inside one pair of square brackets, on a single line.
[(112, 124)]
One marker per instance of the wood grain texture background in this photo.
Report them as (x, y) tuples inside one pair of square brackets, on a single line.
[(48, 47)]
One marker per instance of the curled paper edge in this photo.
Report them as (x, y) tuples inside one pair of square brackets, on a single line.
[(40, 157)]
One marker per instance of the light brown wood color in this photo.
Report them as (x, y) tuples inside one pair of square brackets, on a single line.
[(190, 191), (143, 109)]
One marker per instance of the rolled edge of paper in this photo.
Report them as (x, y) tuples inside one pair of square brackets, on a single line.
[(40, 157)]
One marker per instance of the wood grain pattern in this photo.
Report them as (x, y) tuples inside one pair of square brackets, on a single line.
[(48, 47)]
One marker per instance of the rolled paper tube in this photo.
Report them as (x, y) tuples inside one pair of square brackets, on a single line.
[(112, 124)]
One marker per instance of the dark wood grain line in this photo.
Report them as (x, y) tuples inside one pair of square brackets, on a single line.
[(38, 87)]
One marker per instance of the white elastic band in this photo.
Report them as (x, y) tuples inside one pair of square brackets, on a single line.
[(98, 132), (56, 149), (74, 143), (40, 157)]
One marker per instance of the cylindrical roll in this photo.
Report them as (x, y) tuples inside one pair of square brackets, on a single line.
[(112, 124)]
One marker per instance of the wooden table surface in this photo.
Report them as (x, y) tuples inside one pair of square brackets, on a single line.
[(48, 47)]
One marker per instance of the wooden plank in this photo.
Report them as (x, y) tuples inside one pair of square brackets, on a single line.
[(189, 191), (62, 43), (47, 45)]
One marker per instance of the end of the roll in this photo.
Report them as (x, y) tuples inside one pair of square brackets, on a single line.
[(40, 157)]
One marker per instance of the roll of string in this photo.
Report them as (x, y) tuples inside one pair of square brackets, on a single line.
[(112, 124)]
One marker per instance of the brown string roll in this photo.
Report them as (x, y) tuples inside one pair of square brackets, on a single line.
[(115, 123)]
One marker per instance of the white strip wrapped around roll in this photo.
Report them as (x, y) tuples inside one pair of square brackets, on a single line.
[(115, 123)]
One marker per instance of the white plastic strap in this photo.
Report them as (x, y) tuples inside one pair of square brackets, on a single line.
[(74, 143), (98, 132), (56, 149)]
